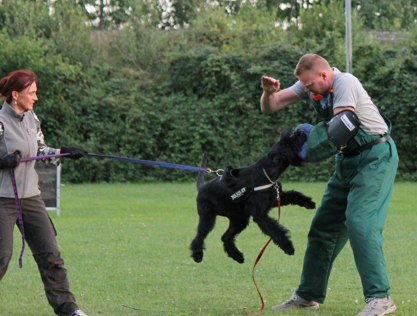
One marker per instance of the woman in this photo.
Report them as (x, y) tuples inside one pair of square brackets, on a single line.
[(21, 136)]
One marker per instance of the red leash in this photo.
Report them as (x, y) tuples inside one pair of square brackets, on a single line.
[(259, 258)]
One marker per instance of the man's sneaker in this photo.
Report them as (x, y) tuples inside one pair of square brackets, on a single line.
[(296, 301), (378, 307)]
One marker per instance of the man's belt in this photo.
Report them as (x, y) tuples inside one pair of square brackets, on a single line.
[(357, 151)]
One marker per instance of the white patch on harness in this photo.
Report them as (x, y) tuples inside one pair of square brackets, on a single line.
[(347, 122), (238, 194)]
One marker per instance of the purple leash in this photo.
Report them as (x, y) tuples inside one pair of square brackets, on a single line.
[(19, 216), (41, 157), (18, 208)]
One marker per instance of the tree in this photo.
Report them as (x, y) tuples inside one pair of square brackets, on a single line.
[(386, 14), (104, 14)]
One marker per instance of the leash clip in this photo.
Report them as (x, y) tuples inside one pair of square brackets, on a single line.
[(276, 186), (216, 171)]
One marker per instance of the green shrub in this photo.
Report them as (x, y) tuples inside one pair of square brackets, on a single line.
[(171, 95)]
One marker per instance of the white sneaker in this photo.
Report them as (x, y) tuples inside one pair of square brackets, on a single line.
[(296, 301), (378, 307)]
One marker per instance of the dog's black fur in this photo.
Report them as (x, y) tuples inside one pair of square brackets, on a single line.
[(214, 198)]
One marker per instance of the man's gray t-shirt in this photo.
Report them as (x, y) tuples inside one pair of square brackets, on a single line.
[(348, 91)]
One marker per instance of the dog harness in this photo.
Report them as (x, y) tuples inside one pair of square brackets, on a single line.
[(243, 193)]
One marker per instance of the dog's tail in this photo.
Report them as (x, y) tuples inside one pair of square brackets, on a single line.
[(200, 177)]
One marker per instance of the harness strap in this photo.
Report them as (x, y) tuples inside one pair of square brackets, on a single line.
[(357, 151), (263, 187)]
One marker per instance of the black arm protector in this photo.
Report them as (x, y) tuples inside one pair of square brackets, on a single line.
[(342, 128)]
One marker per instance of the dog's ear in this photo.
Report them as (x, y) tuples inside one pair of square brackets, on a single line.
[(228, 172), (298, 138), (230, 176), (286, 150)]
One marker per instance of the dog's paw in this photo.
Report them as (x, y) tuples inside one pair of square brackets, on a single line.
[(197, 257), (239, 259), (288, 249), (289, 252), (310, 205), (237, 256), (234, 253)]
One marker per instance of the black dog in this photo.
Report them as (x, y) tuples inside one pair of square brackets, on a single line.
[(249, 191)]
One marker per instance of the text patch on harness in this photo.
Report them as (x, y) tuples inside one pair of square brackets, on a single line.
[(241, 194), (238, 194)]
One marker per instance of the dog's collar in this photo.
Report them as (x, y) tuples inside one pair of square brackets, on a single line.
[(275, 184), (266, 175)]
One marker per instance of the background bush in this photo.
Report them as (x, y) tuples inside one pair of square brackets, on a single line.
[(170, 94)]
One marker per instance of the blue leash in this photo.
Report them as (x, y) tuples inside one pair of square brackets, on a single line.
[(133, 160), (152, 163), (125, 159)]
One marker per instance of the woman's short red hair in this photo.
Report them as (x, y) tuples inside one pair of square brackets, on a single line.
[(17, 81)]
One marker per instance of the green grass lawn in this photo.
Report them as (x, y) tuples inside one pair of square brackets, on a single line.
[(127, 244)]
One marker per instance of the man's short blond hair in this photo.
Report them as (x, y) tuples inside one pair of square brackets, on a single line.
[(310, 62)]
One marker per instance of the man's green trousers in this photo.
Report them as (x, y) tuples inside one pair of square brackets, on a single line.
[(354, 207)]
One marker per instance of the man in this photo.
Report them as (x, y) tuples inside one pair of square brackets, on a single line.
[(355, 203)]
